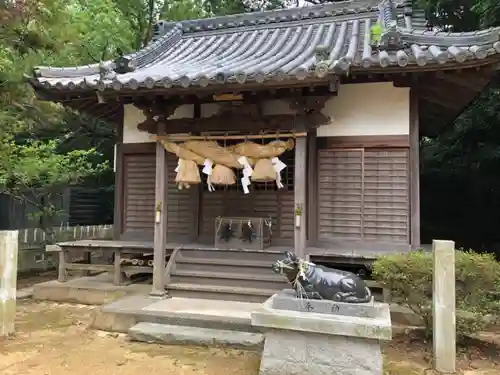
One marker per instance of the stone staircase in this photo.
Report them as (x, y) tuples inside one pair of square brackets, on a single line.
[(230, 275)]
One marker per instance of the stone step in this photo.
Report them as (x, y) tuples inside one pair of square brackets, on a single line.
[(232, 255), (228, 262), (271, 281), (219, 265), (272, 277), (176, 334), (229, 280), (216, 292)]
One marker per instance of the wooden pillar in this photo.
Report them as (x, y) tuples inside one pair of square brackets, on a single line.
[(63, 259), (300, 186), (118, 167), (443, 306), (160, 229), (414, 171), (196, 191), (312, 189), (8, 280)]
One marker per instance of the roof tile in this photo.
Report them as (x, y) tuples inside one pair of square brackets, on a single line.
[(279, 45)]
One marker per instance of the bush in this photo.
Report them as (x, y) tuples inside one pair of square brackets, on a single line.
[(409, 278)]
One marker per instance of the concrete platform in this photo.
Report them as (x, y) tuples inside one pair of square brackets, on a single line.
[(121, 315), (24, 293), (91, 290), (99, 290)]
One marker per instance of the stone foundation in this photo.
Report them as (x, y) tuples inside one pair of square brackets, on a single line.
[(321, 337)]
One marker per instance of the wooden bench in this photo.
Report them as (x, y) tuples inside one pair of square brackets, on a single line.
[(116, 248)]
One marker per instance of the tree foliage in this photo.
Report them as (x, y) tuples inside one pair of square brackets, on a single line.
[(44, 146), (459, 168), (459, 179), (409, 278), (461, 15), (36, 172)]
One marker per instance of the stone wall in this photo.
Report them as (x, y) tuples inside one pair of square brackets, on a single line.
[(32, 256)]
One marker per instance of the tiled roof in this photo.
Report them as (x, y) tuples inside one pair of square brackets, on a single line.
[(290, 44)]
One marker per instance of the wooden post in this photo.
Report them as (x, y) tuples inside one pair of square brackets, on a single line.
[(117, 272), (160, 229), (119, 182), (8, 281), (63, 259), (300, 184), (443, 306), (414, 171), (312, 189)]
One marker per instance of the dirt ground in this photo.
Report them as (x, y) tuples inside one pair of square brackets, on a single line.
[(40, 277), (55, 339)]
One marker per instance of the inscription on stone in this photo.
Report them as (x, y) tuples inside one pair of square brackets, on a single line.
[(286, 300), (335, 308), (308, 306)]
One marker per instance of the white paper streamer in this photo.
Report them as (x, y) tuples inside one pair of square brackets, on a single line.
[(245, 183), (246, 165), (207, 167), (278, 166), (247, 172), (211, 187)]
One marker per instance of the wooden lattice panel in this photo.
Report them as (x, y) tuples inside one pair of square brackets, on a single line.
[(363, 195), (139, 192), (340, 194), (181, 206), (139, 198), (386, 195)]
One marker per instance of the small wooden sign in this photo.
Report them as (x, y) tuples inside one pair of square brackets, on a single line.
[(228, 97)]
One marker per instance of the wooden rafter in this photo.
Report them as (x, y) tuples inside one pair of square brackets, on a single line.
[(435, 99), (475, 81), (245, 116)]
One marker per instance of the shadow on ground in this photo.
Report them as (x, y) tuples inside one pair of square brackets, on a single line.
[(55, 339)]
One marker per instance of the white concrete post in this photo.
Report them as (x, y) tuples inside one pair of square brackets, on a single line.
[(443, 306), (8, 280)]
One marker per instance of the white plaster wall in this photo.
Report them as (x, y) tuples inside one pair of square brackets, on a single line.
[(368, 109), (359, 109), (133, 116)]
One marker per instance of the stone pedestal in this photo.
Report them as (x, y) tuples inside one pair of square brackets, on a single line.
[(321, 337)]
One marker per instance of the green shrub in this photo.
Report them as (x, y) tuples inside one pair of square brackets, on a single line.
[(409, 279)]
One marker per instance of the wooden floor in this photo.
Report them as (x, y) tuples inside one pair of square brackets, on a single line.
[(341, 252)]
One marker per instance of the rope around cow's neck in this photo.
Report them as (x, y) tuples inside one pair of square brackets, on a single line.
[(303, 267)]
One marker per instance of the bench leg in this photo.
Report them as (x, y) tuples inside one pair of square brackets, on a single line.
[(117, 274), (61, 277), (88, 260)]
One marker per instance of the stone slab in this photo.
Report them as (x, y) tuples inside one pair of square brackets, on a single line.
[(92, 290), (286, 300), (378, 328), (173, 334), (228, 309), (121, 315), (299, 353), (24, 293)]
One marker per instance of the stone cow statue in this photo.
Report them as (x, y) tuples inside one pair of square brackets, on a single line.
[(318, 282)]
